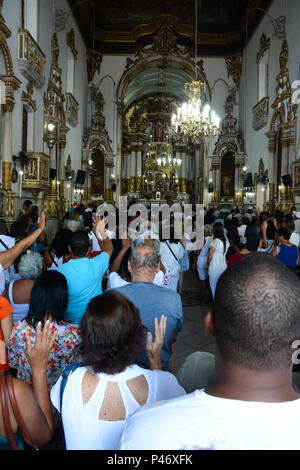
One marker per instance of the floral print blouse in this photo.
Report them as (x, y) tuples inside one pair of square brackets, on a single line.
[(64, 350)]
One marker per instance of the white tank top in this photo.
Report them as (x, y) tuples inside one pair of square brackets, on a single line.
[(20, 310), (82, 427)]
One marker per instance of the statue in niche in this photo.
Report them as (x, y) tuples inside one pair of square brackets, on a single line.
[(99, 103), (227, 175), (230, 102), (226, 185)]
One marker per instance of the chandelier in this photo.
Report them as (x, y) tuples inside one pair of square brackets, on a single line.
[(194, 118), (166, 163)]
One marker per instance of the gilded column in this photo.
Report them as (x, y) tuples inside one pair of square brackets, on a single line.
[(139, 168), (7, 146), (284, 167)]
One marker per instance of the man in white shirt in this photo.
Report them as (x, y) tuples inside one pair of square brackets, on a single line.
[(252, 404)]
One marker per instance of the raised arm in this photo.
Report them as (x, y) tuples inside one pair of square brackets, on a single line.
[(35, 404), (8, 257), (126, 244), (101, 234)]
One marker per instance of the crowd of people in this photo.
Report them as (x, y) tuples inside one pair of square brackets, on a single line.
[(88, 322)]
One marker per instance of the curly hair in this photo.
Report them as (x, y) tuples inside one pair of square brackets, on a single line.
[(30, 265), (111, 333)]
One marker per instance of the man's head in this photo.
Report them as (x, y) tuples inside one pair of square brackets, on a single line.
[(256, 314), (143, 264), (79, 244), (27, 205)]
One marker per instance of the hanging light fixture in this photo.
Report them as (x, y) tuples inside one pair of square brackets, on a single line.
[(193, 119)]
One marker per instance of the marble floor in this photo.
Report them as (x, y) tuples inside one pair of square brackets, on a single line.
[(193, 337)]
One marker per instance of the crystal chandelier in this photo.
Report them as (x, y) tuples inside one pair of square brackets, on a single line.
[(166, 163), (194, 118)]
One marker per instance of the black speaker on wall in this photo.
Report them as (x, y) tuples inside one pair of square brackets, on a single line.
[(80, 177), (287, 180), (52, 174), (114, 187), (249, 181)]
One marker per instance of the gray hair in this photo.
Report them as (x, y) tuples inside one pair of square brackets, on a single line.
[(30, 265), (208, 229), (141, 260)]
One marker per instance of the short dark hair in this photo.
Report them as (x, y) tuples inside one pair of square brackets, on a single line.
[(27, 203), (61, 241), (80, 243), (3, 227), (111, 333), (256, 313), (48, 295), (284, 232), (17, 230)]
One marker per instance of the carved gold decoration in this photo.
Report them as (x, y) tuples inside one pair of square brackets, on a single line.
[(131, 182), (261, 113), (31, 58), (6, 175), (264, 46), (71, 42), (94, 61), (72, 107), (272, 192), (108, 195), (36, 172), (234, 66), (183, 185), (27, 97), (124, 185), (139, 184)]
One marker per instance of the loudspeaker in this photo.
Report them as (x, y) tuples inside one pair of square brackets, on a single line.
[(113, 187), (287, 180), (80, 177), (52, 174)]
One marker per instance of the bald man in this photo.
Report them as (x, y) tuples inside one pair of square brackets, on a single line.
[(152, 300)]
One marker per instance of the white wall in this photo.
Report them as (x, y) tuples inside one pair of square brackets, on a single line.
[(12, 14), (256, 142)]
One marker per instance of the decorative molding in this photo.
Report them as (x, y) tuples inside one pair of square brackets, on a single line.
[(234, 66), (72, 107), (71, 42), (94, 61), (264, 46), (261, 114), (31, 59), (164, 52), (27, 97), (36, 172)]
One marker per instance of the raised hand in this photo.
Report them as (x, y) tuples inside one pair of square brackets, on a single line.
[(43, 220), (38, 355), (126, 241), (153, 348)]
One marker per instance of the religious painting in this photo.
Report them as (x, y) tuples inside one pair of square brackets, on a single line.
[(97, 183), (227, 175)]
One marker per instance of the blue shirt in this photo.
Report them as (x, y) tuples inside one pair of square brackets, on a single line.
[(84, 278), (154, 301), (288, 255)]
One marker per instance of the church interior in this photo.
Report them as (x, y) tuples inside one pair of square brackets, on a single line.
[(176, 101)]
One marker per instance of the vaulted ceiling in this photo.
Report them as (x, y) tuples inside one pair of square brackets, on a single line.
[(119, 26)]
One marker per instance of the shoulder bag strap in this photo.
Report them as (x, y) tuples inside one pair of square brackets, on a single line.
[(2, 243), (17, 413), (5, 413), (52, 259), (171, 251)]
